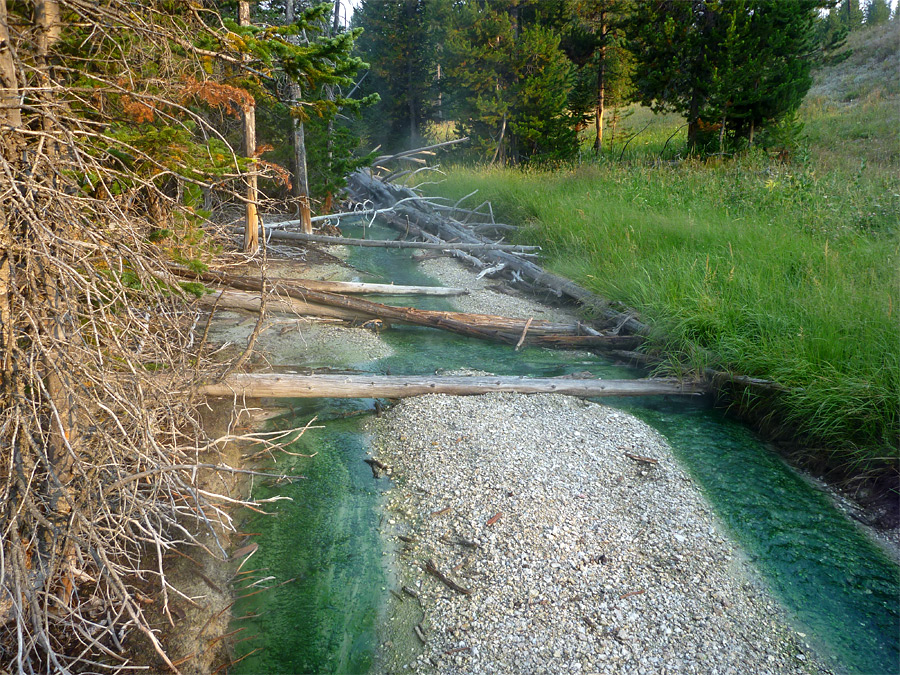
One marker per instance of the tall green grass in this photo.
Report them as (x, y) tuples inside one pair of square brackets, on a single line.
[(750, 266), (782, 271)]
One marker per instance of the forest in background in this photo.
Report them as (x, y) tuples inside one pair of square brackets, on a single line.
[(523, 78)]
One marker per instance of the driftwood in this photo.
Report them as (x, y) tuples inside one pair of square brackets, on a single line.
[(302, 300), (422, 218), (265, 385), (231, 299), (432, 569), (418, 151), (279, 235), (363, 183), (360, 288)]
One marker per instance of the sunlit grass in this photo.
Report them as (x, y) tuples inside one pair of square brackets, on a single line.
[(751, 266), (784, 270)]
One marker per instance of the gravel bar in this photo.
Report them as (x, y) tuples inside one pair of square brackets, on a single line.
[(577, 543)]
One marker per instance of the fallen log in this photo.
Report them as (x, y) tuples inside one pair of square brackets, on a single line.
[(264, 385), (485, 326), (360, 288), (279, 235), (230, 299), (361, 183), (416, 151)]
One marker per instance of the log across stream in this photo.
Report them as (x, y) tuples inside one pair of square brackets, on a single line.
[(326, 543)]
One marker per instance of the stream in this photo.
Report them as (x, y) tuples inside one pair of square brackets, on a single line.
[(839, 588)]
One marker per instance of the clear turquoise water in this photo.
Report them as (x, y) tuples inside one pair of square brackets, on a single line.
[(841, 590)]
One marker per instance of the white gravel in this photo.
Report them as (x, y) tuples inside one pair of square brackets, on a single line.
[(593, 561), (485, 295)]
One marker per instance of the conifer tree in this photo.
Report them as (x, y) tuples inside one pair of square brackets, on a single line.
[(508, 81), (851, 14), (594, 42), (399, 42), (878, 12), (730, 67), (312, 61)]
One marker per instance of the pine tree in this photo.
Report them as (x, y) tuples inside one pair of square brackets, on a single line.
[(851, 14), (730, 67), (315, 65), (398, 42), (593, 41), (878, 12), (508, 81)]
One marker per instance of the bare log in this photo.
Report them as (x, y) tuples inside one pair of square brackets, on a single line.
[(231, 299), (279, 235), (416, 151), (363, 183), (484, 326), (360, 288), (265, 385)]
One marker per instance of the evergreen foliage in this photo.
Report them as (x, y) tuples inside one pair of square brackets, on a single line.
[(304, 52), (594, 41), (878, 12), (508, 83), (398, 40), (730, 67)]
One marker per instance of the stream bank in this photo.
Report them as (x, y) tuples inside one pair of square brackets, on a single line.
[(275, 618)]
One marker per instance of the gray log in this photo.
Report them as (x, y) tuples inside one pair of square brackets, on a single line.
[(380, 243), (398, 386)]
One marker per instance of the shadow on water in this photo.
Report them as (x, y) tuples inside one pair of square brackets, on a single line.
[(841, 589)]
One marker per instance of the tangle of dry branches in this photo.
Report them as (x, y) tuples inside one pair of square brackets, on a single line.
[(101, 450)]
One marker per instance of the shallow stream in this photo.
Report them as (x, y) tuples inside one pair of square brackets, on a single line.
[(839, 588)]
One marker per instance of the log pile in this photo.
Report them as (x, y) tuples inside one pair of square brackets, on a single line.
[(419, 215), (297, 297)]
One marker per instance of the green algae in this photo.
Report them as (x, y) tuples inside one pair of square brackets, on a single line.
[(325, 540), (840, 589)]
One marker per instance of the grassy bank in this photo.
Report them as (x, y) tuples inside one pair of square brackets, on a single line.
[(785, 271), (779, 272)]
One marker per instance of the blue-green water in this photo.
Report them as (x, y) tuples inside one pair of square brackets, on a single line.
[(840, 588)]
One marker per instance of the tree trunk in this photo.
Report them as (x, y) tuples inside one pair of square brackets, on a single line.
[(361, 288), (63, 428), (601, 96), (10, 115), (252, 222), (304, 300), (10, 112), (386, 386), (392, 243), (601, 85), (251, 239), (289, 11), (301, 175)]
